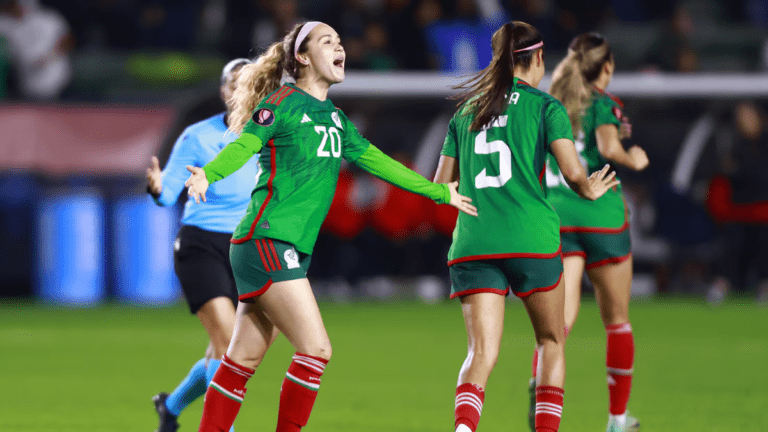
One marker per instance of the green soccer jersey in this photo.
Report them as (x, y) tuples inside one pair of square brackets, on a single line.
[(301, 141), (500, 168), (608, 210)]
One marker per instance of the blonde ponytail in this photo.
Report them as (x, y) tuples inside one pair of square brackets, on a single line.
[(570, 88), (254, 82), (260, 78), (573, 76)]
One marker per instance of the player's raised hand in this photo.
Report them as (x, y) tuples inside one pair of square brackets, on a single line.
[(639, 158), (197, 183), (601, 181), (155, 177), (460, 201)]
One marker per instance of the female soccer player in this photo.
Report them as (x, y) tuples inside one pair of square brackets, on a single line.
[(496, 146), (201, 250), (595, 235), (301, 137)]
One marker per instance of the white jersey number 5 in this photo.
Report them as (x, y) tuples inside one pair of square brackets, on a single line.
[(482, 146)]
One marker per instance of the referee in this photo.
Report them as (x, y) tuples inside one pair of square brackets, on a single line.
[(201, 249)]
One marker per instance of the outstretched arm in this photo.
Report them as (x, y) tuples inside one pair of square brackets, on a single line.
[(391, 171), (229, 160)]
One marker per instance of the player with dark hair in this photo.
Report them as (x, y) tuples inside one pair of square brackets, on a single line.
[(496, 147), (302, 139), (201, 250), (595, 235)]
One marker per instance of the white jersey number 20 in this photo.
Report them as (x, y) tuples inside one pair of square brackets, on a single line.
[(333, 133), (482, 146)]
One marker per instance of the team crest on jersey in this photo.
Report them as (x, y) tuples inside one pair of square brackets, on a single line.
[(336, 120), (291, 258), (617, 112), (264, 117)]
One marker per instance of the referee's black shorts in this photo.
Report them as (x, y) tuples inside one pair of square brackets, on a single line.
[(201, 261)]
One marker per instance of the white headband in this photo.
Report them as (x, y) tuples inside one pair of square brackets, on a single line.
[(305, 29)]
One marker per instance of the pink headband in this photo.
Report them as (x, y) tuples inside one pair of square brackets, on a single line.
[(532, 47), (305, 29)]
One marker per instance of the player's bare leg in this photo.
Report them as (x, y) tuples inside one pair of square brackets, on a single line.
[(218, 318), (545, 310), (613, 286), (292, 307), (484, 321), (573, 271)]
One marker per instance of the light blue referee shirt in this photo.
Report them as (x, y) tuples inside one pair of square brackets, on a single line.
[(227, 199)]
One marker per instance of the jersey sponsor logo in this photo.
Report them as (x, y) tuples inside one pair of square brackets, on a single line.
[(264, 117), (336, 120), (291, 258), (617, 112), (306, 119), (265, 225)]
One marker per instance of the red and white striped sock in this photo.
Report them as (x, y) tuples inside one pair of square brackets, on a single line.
[(620, 359), (549, 408), (469, 405), (297, 396), (224, 396)]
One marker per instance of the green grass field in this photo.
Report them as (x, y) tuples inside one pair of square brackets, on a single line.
[(394, 369)]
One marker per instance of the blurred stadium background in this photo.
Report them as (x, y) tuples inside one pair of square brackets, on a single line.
[(90, 89)]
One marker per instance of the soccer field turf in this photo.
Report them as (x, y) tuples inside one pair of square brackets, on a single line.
[(394, 369)]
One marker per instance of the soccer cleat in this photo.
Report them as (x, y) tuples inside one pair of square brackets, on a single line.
[(167, 420), (630, 425), (532, 404)]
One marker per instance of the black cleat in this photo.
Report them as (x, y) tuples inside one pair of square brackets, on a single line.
[(167, 420)]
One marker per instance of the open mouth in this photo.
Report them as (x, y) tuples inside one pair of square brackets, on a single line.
[(339, 62)]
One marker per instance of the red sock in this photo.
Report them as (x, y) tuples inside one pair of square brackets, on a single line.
[(297, 396), (224, 396), (469, 405), (620, 359), (549, 408)]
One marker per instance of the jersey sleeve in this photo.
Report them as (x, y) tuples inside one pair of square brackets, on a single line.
[(384, 167), (185, 152), (558, 125), (451, 144), (354, 143), (607, 112), (266, 122)]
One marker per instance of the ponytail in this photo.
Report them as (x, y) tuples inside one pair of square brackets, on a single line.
[(254, 82), (258, 79), (570, 87), (571, 79), (485, 94)]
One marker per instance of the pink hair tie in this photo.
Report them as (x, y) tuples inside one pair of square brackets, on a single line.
[(532, 47)]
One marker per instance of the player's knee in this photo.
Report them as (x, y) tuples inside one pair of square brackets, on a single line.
[(552, 336), (484, 356), (323, 351)]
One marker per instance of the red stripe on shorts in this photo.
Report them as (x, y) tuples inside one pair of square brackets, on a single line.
[(266, 252), (274, 252), (261, 252)]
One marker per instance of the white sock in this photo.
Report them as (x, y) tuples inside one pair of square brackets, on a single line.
[(620, 419), (463, 428)]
